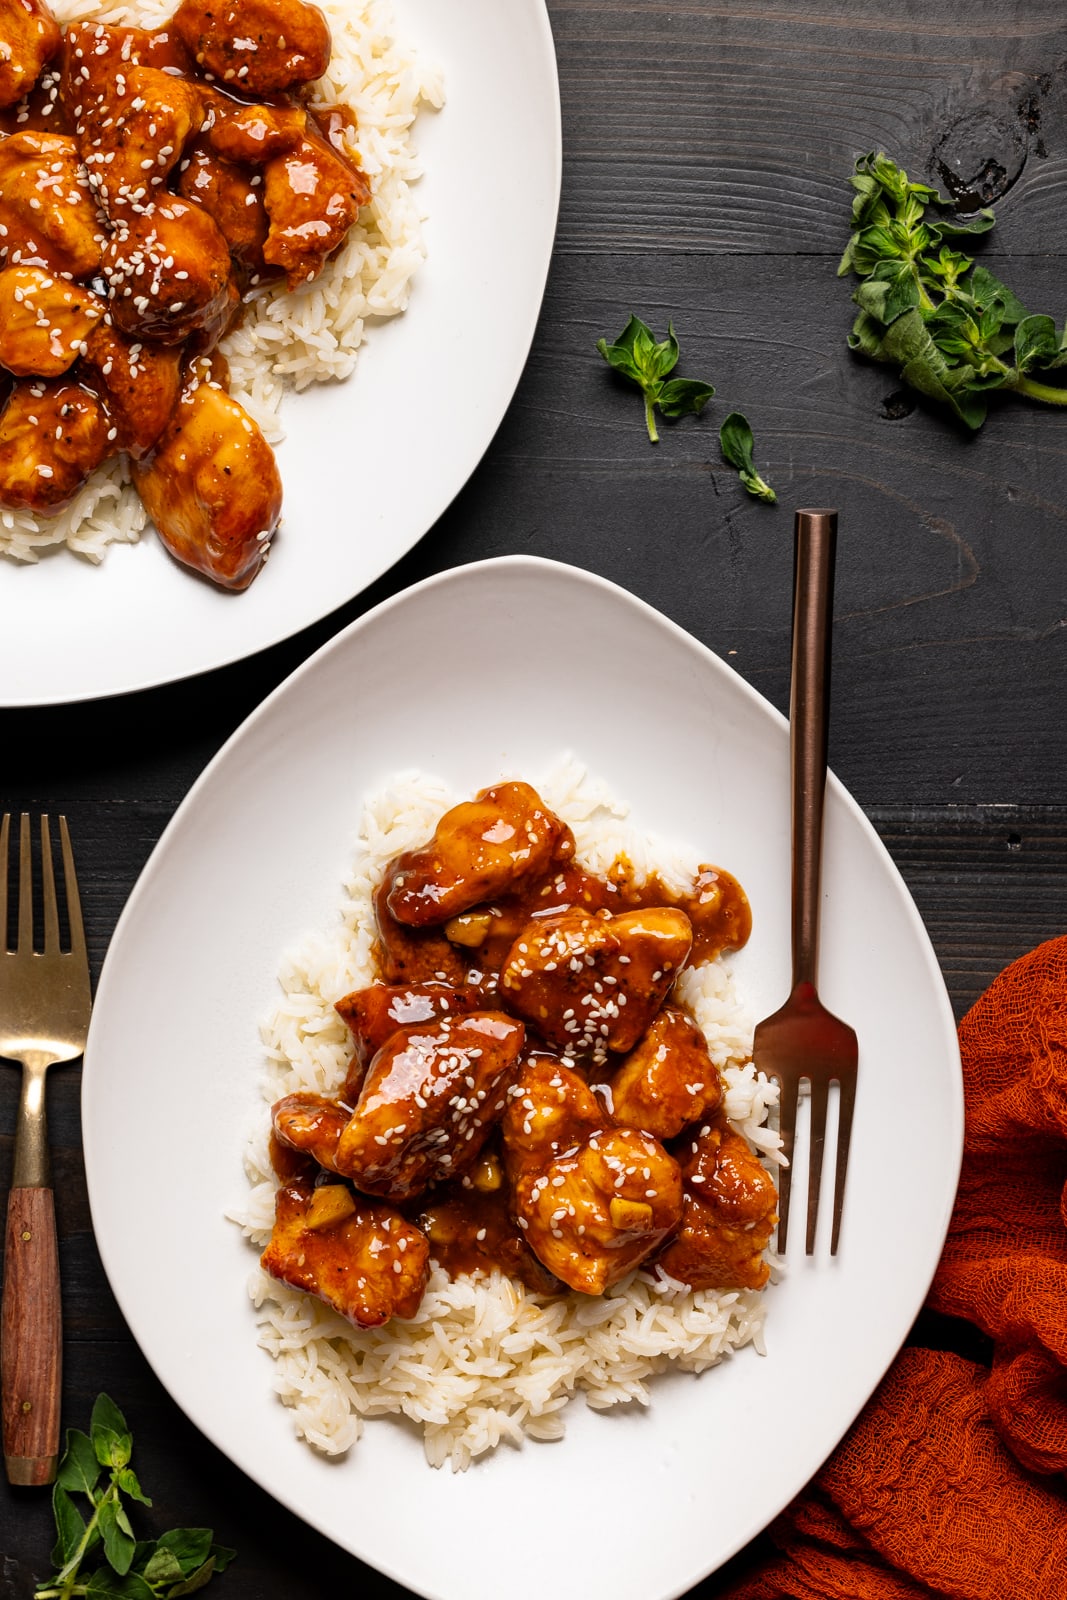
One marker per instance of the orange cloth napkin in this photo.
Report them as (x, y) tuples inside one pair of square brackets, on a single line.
[(952, 1482)]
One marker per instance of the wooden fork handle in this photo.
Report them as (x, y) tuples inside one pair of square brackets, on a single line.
[(815, 542), (30, 1338)]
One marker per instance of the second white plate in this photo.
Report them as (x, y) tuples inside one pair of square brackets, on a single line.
[(368, 465)]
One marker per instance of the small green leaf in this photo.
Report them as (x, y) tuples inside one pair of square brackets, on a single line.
[(1036, 342), (119, 1543), (112, 1441), (79, 1470), (189, 1546), (163, 1566), (127, 1482), (196, 1580), (680, 397), (736, 443), (70, 1526)]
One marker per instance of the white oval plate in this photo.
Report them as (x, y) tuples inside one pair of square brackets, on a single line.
[(497, 667), (368, 465)]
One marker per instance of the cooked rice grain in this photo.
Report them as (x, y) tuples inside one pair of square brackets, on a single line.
[(484, 1361), (288, 340)]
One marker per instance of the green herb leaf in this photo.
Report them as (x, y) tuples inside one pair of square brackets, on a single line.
[(112, 1441), (736, 443), (190, 1547), (637, 356), (684, 396), (126, 1479), (119, 1543), (70, 1526), (1036, 343), (79, 1470), (162, 1567)]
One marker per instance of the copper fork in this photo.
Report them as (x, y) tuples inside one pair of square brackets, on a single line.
[(44, 1018), (803, 1042)]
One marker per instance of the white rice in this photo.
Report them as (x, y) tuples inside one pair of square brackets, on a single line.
[(287, 339), (484, 1360)]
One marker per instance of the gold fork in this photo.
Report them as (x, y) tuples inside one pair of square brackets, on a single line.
[(45, 1002), (803, 1041)]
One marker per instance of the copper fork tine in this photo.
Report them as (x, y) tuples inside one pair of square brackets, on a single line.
[(45, 1004)]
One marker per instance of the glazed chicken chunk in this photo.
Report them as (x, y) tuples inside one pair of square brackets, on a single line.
[(668, 1080), (169, 272), (429, 1101), (138, 382), (357, 1255), (591, 984), (29, 37), (374, 1014), (257, 46), (131, 154), (479, 849), (312, 1124), (44, 321), (729, 1213), (593, 1200), (52, 436), (47, 215), (312, 195), (211, 486)]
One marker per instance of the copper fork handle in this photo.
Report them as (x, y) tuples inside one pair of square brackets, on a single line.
[(814, 551)]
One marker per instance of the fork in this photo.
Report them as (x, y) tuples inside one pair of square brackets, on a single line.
[(803, 1041), (45, 1002)]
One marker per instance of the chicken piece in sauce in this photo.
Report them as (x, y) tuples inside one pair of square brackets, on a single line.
[(29, 38), (374, 1014), (134, 152), (169, 272), (592, 984), (257, 46), (481, 848), (211, 486), (430, 1098), (313, 195), (53, 435), (47, 215), (312, 1124), (668, 1080), (369, 1264), (472, 1232), (729, 1213), (253, 134), (44, 321), (232, 196), (593, 1200), (139, 383)]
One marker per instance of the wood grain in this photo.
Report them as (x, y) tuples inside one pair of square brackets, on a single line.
[(31, 1350)]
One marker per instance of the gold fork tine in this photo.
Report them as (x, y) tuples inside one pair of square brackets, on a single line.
[(25, 944), (48, 885), (70, 882), (5, 845)]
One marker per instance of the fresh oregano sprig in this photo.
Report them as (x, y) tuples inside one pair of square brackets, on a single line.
[(636, 355), (736, 444), (954, 332), (96, 1553)]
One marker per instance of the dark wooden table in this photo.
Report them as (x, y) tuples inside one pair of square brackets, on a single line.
[(707, 151)]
